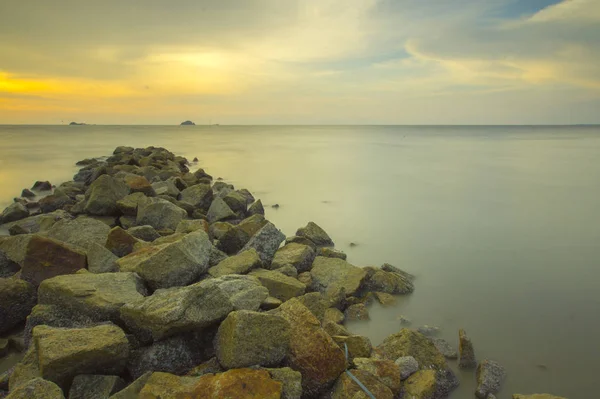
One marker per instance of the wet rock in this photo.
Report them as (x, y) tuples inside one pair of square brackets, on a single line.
[(445, 348), (167, 187), (358, 345), (490, 375), (242, 263), (385, 299), (42, 186), (266, 242), (316, 234), (46, 258), (97, 296), (219, 210), (15, 211), (26, 193), (388, 282), (428, 331), (244, 292), (386, 267), (169, 265), (210, 366), (199, 195), (280, 286), (312, 351), (189, 226), (385, 370), (7, 267), (129, 204), (256, 208), (334, 315), (298, 255), (412, 343), (328, 272), (247, 338), (346, 387), (176, 310), (466, 353), (103, 194), (357, 312), (408, 366), (146, 233), (236, 201), (65, 353), (160, 214), (37, 388), (17, 298), (89, 386), (331, 253), (120, 242), (291, 382), (123, 150)]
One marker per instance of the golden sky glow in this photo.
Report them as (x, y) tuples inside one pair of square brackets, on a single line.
[(309, 61)]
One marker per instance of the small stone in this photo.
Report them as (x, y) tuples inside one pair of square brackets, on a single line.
[(408, 366), (385, 299), (275, 206), (404, 320), (490, 375), (466, 353), (357, 312)]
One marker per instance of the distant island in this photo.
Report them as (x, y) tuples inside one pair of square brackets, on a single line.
[(188, 123), (76, 124)]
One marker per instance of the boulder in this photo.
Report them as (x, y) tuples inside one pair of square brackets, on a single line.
[(408, 365), (129, 204), (42, 186), (65, 353), (303, 241), (249, 197), (266, 242), (252, 225), (26, 193), (97, 296), (218, 229), (316, 303), (236, 201), (385, 370), (211, 366), (189, 226), (445, 348), (139, 184), (490, 375), (421, 385), (17, 298), (238, 384), (15, 211), (247, 338), (328, 272), (15, 247), (216, 256), (146, 233), (132, 391), (238, 264), (256, 208), (270, 303), (100, 259), (412, 343), (386, 267), (123, 150), (357, 312), (331, 253), (163, 385), (334, 315), (358, 345), (291, 382), (53, 202), (38, 223), (120, 242), (288, 270), (103, 194), (244, 292), (89, 386), (219, 210), (53, 316), (232, 241), (298, 255), (36, 388), (169, 265), (384, 298), (167, 187), (466, 353), (7, 267), (306, 279), (280, 286), (160, 214), (199, 196), (312, 351), (388, 282), (47, 258), (345, 386), (334, 329), (316, 234), (176, 310)]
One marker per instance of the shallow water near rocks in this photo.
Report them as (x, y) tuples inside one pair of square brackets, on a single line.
[(499, 224)]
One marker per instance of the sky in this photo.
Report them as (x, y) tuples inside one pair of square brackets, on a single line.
[(300, 61)]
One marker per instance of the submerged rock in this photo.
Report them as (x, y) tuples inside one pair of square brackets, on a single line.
[(490, 375), (357, 312), (466, 353)]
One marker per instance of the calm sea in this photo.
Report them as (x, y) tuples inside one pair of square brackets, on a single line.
[(499, 224)]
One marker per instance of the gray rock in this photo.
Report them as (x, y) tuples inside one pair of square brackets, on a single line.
[(298, 255), (316, 234), (244, 292), (316, 303), (466, 353), (189, 226), (408, 366), (291, 381), (129, 204), (238, 264), (170, 265), (146, 233), (247, 338), (490, 375), (219, 210), (53, 316), (445, 348), (279, 285), (36, 388), (288, 270), (216, 256), (256, 208), (13, 212), (331, 253), (39, 223), (266, 242), (100, 259), (173, 311), (103, 194), (17, 298), (42, 186), (330, 272), (132, 391), (199, 196), (15, 247), (7, 267), (236, 201), (167, 187), (160, 214), (89, 386), (249, 197), (428, 331)]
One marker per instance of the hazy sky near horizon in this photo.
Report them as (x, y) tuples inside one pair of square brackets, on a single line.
[(300, 61)]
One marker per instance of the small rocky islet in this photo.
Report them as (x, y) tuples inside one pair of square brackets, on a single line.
[(142, 279)]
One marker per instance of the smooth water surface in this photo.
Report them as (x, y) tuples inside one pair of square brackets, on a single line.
[(499, 224)]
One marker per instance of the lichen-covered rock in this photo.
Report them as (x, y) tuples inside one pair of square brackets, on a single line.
[(346, 387), (17, 298), (236, 201), (146, 233), (238, 384), (358, 345), (266, 242), (357, 312), (334, 315), (232, 240), (177, 310), (490, 375), (334, 329), (408, 365), (65, 353), (46, 258), (97, 296), (211, 366), (298, 255), (37, 388), (167, 187), (103, 194), (242, 263), (256, 208), (120, 242), (312, 351), (160, 214), (57, 200), (445, 348), (279, 285), (15, 211), (199, 196), (291, 382), (170, 265), (216, 256), (132, 390), (288, 270), (306, 279), (189, 226), (316, 234), (536, 396), (90, 386), (421, 385), (385, 299), (128, 205), (247, 338), (412, 343), (386, 370), (244, 292), (219, 211), (466, 353), (270, 303), (38, 223), (328, 272), (316, 303), (53, 316), (331, 253), (164, 385), (252, 225), (388, 282)]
